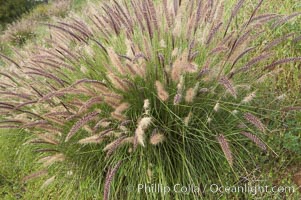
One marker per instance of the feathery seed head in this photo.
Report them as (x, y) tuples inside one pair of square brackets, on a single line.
[(162, 94)]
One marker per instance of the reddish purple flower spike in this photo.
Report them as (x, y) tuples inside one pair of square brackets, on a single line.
[(109, 178), (226, 148)]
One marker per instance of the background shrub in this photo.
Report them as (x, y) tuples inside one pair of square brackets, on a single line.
[(20, 31), (13, 9)]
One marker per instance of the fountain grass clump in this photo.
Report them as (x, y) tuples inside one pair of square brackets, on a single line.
[(145, 92)]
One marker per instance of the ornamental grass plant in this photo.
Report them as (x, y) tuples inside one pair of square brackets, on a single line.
[(166, 92)]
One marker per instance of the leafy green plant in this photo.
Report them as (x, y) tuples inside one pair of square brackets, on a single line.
[(161, 92)]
